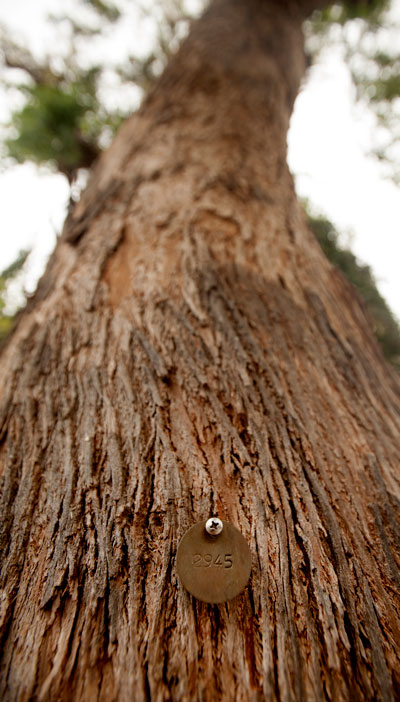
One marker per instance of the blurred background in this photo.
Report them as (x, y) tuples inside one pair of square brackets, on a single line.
[(70, 75)]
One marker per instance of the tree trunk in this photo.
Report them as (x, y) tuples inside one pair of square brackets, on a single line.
[(190, 352)]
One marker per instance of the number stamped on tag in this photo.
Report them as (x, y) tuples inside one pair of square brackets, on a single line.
[(207, 560)]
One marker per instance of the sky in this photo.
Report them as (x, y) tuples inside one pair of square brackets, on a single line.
[(327, 143)]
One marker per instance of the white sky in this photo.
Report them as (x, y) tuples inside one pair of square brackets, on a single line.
[(327, 143)]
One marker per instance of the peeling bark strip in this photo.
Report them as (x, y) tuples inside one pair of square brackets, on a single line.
[(190, 352)]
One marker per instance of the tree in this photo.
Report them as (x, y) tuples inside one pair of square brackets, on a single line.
[(6, 276), (383, 322), (190, 351), (64, 121)]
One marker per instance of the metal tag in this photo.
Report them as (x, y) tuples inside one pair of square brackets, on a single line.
[(213, 568)]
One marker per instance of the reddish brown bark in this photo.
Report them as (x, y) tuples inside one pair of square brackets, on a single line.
[(191, 352)]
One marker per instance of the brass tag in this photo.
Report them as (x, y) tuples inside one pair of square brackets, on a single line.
[(213, 568)]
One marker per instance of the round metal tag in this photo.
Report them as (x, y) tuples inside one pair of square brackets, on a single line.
[(213, 568)]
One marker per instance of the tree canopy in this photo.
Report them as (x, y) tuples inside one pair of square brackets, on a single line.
[(65, 120)]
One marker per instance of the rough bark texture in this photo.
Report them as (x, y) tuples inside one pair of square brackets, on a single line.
[(190, 352)]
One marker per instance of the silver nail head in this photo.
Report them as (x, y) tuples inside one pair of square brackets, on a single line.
[(214, 526)]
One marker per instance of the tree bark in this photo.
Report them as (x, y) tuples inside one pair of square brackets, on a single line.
[(190, 352)]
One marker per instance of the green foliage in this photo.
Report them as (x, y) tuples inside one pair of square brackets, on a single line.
[(369, 40), (106, 10), (368, 10), (61, 124), (384, 323), (64, 121), (6, 276), (48, 125)]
